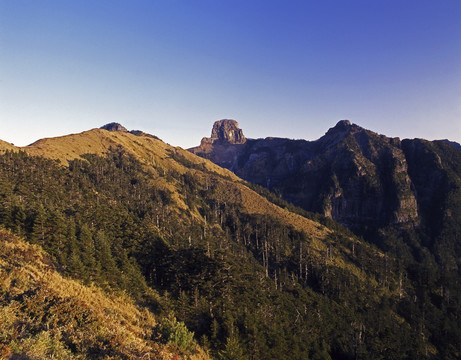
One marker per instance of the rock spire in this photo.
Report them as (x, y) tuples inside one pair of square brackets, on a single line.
[(227, 131)]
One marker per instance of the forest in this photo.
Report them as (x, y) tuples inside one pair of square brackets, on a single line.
[(245, 285)]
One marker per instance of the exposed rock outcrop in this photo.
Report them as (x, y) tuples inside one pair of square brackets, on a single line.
[(227, 131), (224, 145), (114, 127), (224, 132)]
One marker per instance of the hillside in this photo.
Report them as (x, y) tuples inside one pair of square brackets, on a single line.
[(6, 146), (162, 158), (46, 316), (146, 148), (251, 276)]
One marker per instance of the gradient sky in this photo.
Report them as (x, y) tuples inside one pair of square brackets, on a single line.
[(287, 68)]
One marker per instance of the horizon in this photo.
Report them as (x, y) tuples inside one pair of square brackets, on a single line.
[(172, 69), (247, 137)]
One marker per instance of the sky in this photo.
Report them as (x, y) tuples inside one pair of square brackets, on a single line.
[(285, 68)]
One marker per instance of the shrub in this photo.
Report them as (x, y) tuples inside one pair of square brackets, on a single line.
[(176, 333)]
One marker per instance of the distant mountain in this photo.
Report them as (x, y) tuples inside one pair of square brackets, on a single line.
[(353, 175), (249, 274)]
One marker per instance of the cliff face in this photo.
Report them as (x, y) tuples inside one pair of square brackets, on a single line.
[(224, 132), (224, 145), (227, 131), (353, 175), (364, 181)]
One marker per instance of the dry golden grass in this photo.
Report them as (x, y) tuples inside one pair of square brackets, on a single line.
[(46, 316), (148, 150), (153, 153), (4, 146)]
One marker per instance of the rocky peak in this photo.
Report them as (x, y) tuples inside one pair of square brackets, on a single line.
[(337, 133), (227, 131), (344, 126), (114, 127)]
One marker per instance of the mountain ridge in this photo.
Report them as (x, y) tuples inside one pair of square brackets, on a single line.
[(148, 150), (352, 160), (247, 273)]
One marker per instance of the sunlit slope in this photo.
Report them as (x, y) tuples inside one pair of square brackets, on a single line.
[(4, 146), (159, 157), (156, 153), (44, 316), (210, 247), (163, 156), (147, 149)]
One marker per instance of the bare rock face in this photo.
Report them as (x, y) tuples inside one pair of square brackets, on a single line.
[(227, 131), (114, 127), (224, 145)]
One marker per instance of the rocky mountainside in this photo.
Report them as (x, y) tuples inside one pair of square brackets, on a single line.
[(353, 175)]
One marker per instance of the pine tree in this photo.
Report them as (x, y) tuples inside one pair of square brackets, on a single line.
[(73, 252), (109, 271), (87, 253), (19, 218), (55, 234), (233, 350), (39, 226)]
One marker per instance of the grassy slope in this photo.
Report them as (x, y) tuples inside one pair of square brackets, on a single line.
[(43, 315), (157, 155), (7, 146)]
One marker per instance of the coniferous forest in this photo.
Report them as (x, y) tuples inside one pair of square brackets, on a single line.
[(240, 281)]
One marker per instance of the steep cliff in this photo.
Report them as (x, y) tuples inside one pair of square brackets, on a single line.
[(224, 145), (351, 174)]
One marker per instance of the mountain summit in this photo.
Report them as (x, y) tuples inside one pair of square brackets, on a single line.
[(225, 131), (228, 131), (114, 127), (223, 146)]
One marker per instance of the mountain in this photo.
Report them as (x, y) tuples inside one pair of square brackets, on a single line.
[(250, 275), (353, 175), (453, 143), (373, 184)]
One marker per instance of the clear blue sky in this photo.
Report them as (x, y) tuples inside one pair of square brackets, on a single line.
[(288, 68)]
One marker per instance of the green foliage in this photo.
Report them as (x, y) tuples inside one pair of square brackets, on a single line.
[(233, 349), (45, 316), (43, 346), (176, 333)]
